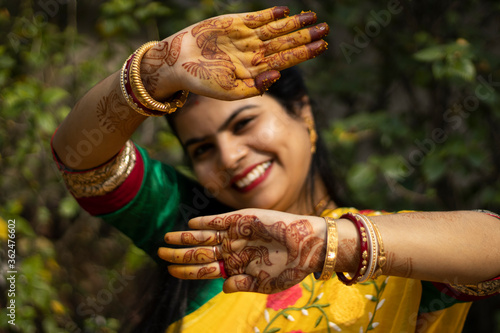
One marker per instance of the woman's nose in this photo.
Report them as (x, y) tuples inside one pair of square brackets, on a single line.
[(231, 153)]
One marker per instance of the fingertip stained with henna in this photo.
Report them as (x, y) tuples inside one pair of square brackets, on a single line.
[(265, 80), (307, 18), (319, 31), (281, 11)]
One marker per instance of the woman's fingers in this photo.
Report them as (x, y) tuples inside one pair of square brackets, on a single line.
[(286, 25), (295, 39), (196, 272), (288, 58), (256, 19), (195, 237), (198, 255), (214, 222)]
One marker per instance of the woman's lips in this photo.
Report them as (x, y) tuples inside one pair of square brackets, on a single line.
[(252, 176)]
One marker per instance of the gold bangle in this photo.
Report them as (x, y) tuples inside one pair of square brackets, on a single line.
[(331, 249), (140, 91), (382, 259), (124, 81)]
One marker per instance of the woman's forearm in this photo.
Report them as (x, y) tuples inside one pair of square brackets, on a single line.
[(453, 247), (97, 127)]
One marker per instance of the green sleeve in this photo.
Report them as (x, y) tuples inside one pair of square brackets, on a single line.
[(434, 299)]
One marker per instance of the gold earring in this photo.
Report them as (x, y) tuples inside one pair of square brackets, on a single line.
[(313, 135)]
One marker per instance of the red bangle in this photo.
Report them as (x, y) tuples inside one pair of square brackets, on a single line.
[(363, 258), (223, 272)]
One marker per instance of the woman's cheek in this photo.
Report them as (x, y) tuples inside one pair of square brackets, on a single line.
[(266, 134), (213, 181)]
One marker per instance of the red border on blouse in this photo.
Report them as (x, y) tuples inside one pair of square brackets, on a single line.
[(119, 197), (114, 200)]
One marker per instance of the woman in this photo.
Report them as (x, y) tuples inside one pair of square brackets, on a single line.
[(261, 156)]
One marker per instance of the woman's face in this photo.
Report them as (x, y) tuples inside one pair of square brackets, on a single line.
[(247, 153)]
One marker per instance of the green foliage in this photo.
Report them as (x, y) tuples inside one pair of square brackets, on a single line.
[(450, 60), (411, 116)]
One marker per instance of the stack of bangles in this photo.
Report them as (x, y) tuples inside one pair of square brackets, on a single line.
[(136, 94), (372, 254)]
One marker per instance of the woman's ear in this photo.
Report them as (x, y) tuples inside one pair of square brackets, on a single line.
[(305, 110), (307, 117)]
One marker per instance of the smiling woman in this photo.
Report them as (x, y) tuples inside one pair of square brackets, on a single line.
[(249, 140), (265, 212)]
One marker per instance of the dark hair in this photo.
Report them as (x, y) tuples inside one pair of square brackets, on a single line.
[(289, 91)]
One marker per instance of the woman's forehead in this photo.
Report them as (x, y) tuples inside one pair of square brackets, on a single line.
[(206, 112)]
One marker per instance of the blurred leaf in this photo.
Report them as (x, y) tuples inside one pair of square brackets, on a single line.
[(68, 207), (53, 95), (430, 54)]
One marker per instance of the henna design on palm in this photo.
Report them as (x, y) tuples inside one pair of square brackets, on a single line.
[(209, 31), (220, 71), (237, 47), (303, 250)]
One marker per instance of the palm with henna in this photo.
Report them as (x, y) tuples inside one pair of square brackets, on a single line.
[(232, 56), (228, 57), (263, 251)]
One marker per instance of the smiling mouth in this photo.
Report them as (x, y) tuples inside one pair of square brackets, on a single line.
[(250, 179)]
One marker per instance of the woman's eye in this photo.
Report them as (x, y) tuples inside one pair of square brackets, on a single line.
[(201, 149), (241, 124)]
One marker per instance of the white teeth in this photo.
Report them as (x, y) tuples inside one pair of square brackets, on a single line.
[(253, 175)]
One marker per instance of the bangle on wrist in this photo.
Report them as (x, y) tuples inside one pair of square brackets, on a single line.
[(331, 250), (382, 259), (136, 94), (372, 246), (364, 253), (372, 253)]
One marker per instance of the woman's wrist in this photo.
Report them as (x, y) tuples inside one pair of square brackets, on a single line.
[(161, 84), (348, 248), (158, 68), (321, 232)]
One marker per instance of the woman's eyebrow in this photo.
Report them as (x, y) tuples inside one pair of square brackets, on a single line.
[(224, 125)]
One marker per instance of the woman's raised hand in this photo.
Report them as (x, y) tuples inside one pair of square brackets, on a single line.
[(256, 250), (232, 56)]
